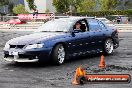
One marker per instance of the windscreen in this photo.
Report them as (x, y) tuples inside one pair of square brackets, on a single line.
[(56, 26)]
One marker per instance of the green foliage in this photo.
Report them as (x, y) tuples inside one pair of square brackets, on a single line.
[(128, 4), (20, 9), (86, 6), (4, 2), (31, 4), (108, 4), (78, 5), (61, 5), (75, 4), (47, 11), (106, 13), (10, 7)]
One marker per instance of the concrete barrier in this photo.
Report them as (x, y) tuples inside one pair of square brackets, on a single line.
[(20, 26), (123, 26)]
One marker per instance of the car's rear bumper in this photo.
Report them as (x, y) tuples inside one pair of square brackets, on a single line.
[(27, 56)]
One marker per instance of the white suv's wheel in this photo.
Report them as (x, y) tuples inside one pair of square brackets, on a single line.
[(59, 54), (108, 46)]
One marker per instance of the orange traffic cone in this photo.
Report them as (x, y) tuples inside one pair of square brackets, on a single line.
[(79, 72), (102, 62)]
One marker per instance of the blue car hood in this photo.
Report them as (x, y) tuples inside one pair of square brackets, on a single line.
[(33, 38)]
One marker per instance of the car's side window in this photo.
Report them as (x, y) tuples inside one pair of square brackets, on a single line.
[(84, 26), (80, 26), (102, 25), (93, 25)]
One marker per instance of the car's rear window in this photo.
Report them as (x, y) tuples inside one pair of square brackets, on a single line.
[(93, 25)]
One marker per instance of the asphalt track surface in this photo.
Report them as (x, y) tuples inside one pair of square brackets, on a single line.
[(46, 75)]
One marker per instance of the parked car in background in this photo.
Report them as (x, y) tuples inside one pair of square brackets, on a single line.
[(61, 39), (12, 22), (15, 21), (124, 19), (121, 19)]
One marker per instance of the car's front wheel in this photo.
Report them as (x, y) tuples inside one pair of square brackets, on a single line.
[(108, 46), (59, 54)]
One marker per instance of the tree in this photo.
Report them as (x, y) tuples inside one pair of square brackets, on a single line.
[(4, 2), (108, 4), (74, 5), (31, 4), (127, 4), (20, 9), (86, 6), (10, 7), (61, 5), (65, 5), (47, 10)]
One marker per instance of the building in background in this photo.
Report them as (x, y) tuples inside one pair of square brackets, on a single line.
[(5, 9), (42, 6)]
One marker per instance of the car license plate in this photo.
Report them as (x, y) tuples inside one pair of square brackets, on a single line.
[(13, 53)]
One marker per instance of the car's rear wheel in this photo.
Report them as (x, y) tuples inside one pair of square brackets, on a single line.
[(108, 46), (59, 54)]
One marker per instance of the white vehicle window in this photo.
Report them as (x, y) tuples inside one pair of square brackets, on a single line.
[(93, 25), (56, 26), (102, 25)]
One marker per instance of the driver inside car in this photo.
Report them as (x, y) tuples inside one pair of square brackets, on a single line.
[(78, 27)]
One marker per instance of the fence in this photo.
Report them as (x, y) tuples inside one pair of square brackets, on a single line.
[(123, 26), (29, 17)]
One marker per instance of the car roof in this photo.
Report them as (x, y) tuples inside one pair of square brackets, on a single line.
[(72, 18), (101, 18)]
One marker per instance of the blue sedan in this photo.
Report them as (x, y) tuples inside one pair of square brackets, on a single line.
[(61, 39)]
